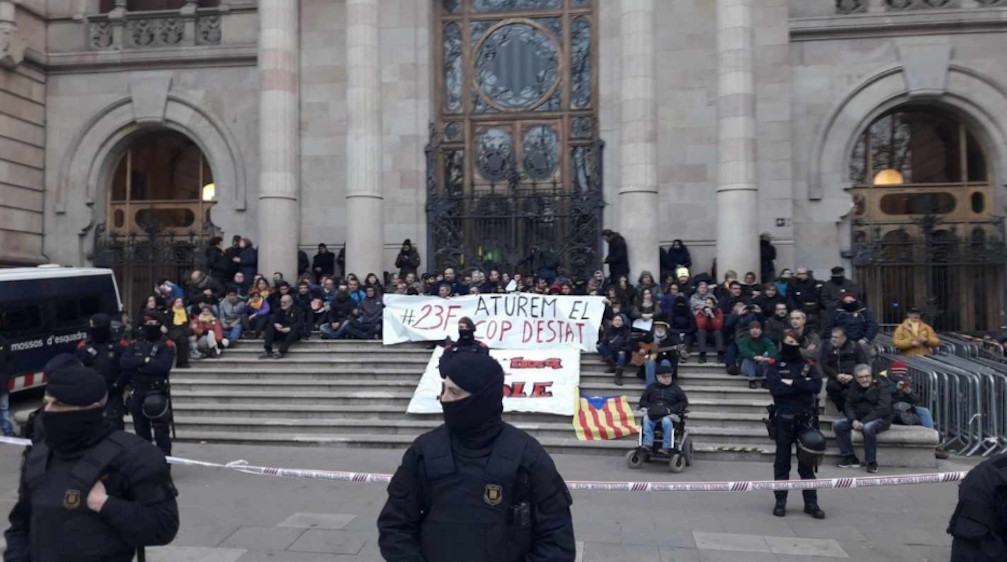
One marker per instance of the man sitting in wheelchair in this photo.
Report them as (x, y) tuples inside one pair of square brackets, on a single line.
[(664, 402)]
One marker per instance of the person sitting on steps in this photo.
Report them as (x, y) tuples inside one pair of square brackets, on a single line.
[(614, 346)]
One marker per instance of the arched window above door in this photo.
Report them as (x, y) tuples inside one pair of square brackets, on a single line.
[(917, 146), (162, 182), (917, 161)]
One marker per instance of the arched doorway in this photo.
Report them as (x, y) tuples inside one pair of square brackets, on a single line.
[(514, 160), (924, 229), (160, 194)]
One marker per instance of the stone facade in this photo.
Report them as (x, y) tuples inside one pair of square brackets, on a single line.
[(817, 79), (22, 132)]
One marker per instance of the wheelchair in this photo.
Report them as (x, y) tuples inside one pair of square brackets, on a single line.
[(681, 452)]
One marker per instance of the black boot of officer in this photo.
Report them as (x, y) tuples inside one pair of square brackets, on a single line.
[(979, 524), (476, 488), (103, 353), (795, 385), (147, 364), (88, 490)]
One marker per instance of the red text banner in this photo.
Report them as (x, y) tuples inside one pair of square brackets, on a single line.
[(541, 380), (512, 321)]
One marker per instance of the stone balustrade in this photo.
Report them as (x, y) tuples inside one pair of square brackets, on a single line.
[(845, 7), (120, 30)]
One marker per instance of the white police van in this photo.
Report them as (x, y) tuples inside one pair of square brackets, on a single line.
[(44, 311)]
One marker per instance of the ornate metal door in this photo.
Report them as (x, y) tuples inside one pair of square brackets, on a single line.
[(955, 272), (514, 160), (140, 261)]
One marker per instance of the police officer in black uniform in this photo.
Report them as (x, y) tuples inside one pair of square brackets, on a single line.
[(88, 491), (146, 364), (33, 428), (979, 524), (476, 489), (795, 384), (467, 342), (103, 353)]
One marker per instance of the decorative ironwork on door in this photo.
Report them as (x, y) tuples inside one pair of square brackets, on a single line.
[(955, 272), (141, 260), (514, 160)]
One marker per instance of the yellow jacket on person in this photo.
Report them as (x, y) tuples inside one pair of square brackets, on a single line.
[(908, 332)]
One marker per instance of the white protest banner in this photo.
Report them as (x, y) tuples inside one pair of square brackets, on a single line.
[(543, 381), (516, 321)]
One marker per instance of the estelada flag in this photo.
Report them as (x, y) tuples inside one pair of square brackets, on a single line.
[(604, 417)]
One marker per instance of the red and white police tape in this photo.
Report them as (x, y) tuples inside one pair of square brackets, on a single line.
[(588, 486)]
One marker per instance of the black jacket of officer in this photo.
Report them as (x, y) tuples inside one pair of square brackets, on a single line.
[(102, 352), (148, 360), (476, 489), (979, 524), (795, 385), (53, 520)]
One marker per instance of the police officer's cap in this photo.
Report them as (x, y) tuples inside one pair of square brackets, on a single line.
[(472, 371), (76, 386)]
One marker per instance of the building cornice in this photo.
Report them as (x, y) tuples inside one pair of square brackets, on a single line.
[(176, 57), (897, 24)]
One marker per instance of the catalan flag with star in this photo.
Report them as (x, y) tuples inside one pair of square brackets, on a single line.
[(604, 417)]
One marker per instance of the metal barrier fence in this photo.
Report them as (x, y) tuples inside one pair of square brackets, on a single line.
[(964, 384)]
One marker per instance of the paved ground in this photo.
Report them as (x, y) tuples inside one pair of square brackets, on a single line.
[(233, 517)]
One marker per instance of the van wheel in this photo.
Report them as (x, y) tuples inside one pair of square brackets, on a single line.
[(677, 463), (634, 459)]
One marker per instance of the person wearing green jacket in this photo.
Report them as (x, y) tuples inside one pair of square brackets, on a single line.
[(757, 352)]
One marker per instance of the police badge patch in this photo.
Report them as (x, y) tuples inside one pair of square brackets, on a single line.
[(493, 495), (72, 499)]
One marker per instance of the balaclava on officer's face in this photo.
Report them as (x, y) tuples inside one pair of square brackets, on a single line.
[(74, 421), (480, 414), (790, 350), (152, 330), (466, 331)]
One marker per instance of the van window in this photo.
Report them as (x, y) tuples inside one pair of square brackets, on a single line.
[(89, 306), (21, 318), (66, 311)]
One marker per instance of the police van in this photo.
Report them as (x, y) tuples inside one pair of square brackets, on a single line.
[(45, 310)]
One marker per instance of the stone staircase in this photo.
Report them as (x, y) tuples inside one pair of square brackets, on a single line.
[(355, 393)]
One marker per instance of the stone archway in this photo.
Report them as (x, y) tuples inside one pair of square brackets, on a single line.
[(84, 172), (970, 97), (973, 97)]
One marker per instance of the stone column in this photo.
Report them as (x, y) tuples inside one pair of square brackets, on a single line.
[(737, 192), (638, 196), (279, 225), (365, 238)]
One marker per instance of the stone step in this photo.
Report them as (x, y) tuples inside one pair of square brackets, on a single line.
[(394, 413), (558, 427), (552, 445), (244, 350), (895, 448), (399, 399), (285, 387), (212, 370)]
